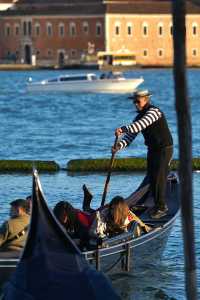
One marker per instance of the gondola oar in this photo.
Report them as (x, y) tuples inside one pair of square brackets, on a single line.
[(109, 174)]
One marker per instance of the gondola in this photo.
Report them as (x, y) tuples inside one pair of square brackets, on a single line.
[(125, 252), (51, 265)]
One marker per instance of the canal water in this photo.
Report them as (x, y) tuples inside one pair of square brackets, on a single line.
[(61, 127)]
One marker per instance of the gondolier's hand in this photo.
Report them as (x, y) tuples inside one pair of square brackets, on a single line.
[(118, 132), (115, 149)]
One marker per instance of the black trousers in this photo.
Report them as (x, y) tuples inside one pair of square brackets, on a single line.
[(157, 170)]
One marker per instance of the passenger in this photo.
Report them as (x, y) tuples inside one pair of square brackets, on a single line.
[(29, 204), (13, 232), (103, 76), (113, 220), (107, 221), (116, 219), (75, 221)]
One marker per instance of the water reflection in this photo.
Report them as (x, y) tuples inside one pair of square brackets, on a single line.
[(150, 283)]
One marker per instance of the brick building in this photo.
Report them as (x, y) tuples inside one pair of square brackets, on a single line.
[(47, 32)]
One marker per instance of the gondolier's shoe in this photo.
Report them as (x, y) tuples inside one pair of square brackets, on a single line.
[(159, 213)]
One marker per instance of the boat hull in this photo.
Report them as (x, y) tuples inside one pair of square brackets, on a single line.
[(112, 260), (140, 251), (124, 252), (97, 86)]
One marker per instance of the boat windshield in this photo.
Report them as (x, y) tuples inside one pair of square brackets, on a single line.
[(111, 75)]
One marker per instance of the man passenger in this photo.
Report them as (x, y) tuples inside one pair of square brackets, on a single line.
[(13, 232)]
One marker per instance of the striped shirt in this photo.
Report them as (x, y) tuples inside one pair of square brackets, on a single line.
[(140, 123)]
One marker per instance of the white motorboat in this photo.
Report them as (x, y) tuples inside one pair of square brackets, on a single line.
[(112, 82)]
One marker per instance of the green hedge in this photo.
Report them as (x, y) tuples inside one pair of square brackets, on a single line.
[(120, 164), (27, 166)]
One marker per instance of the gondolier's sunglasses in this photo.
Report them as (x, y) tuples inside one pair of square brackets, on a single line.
[(136, 101)]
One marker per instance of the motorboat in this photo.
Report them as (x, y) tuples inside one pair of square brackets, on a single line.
[(111, 82), (121, 253)]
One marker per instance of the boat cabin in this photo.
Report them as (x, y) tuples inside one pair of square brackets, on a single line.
[(66, 78)]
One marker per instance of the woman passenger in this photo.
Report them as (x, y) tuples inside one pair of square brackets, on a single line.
[(111, 220), (75, 221)]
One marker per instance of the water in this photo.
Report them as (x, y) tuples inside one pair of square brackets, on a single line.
[(61, 127)]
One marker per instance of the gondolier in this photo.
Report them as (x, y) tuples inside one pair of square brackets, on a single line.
[(152, 123)]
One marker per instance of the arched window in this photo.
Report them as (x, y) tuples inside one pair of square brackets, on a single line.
[(129, 29), (37, 29), (194, 52), (49, 29), (17, 29), (145, 52), (61, 29), (29, 28), (61, 57), (25, 28), (85, 28), (73, 53), (117, 28), (194, 29), (49, 52), (160, 52), (98, 29), (160, 29), (7, 29), (72, 29), (145, 29)]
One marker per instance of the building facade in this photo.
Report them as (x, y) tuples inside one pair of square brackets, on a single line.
[(73, 31)]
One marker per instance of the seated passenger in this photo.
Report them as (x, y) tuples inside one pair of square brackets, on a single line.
[(111, 221), (13, 232), (115, 219), (75, 221)]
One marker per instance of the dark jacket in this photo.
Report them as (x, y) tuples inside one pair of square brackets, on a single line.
[(152, 123)]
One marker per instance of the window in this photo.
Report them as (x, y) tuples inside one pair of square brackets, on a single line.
[(171, 29), (160, 52), (37, 29), (37, 52), (73, 53), (85, 28), (98, 29), (49, 52), (29, 28), (194, 52), (145, 29), (16, 29), (145, 52), (117, 28), (7, 30), (49, 29), (61, 30), (129, 29), (72, 29), (160, 29), (25, 28), (194, 29)]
